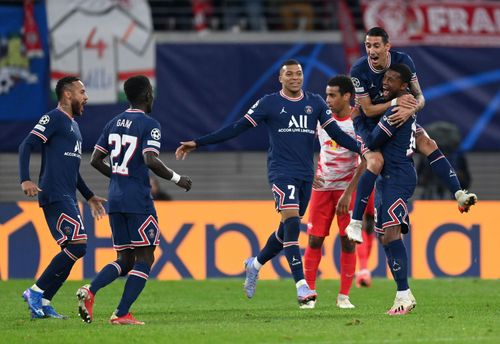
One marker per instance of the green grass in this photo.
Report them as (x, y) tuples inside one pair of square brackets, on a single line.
[(215, 311)]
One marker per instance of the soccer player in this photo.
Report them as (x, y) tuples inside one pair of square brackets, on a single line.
[(336, 178), (291, 116), (398, 182), (367, 74), (60, 140), (132, 214)]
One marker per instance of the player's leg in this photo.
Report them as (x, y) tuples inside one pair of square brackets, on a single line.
[(347, 263), (134, 286), (64, 222), (321, 213), (443, 169), (253, 265), (395, 222), (144, 234), (374, 165), (363, 276)]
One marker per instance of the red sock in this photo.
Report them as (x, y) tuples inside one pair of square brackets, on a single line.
[(364, 250), (312, 257), (347, 268)]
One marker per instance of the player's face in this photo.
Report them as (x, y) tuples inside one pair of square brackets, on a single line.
[(336, 102), (392, 85), (377, 51), (291, 78), (78, 98)]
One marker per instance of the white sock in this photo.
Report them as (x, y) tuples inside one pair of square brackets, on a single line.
[(403, 294), (256, 264), (300, 283), (36, 288), (45, 302), (342, 296)]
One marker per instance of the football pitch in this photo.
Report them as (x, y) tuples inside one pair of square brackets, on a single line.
[(216, 311)]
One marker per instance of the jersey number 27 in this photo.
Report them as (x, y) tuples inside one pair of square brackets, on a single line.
[(128, 144)]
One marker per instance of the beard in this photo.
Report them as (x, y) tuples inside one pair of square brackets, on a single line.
[(76, 108)]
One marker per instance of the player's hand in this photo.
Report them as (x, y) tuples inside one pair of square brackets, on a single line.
[(408, 101), (318, 182), (185, 183), (343, 204), (185, 148), (29, 188), (96, 207)]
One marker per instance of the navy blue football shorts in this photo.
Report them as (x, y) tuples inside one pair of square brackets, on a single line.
[(64, 221), (291, 193), (134, 230), (391, 204)]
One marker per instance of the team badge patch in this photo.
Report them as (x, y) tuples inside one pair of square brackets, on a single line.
[(355, 82), (44, 120), (156, 134), (308, 109)]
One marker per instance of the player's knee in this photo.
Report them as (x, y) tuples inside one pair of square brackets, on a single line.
[(77, 250), (374, 162), (145, 255), (348, 246), (315, 242), (425, 144)]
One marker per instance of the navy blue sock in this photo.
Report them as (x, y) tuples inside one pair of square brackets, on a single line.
[(273, 246), (365, 187), (388, 257), (136, 281), (107, 275), (291, 247), (398, 263), (59, 280), (59, 265), (445, 172)]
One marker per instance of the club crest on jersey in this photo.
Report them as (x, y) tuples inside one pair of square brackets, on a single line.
[(156, 134), (44, 120), (308, 109)]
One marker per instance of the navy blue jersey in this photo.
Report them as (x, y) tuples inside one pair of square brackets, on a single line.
[(291, 126), (397, 145), (61, 156), (126, 138), (368, 80)]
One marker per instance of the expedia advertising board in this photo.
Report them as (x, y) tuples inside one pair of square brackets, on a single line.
[(201, 239)]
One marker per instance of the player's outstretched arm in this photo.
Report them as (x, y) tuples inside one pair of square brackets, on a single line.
[(161, 170), (97, 161), (184, 149), (343, 139)]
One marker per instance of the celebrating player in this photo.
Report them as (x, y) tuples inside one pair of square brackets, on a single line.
[(291, 116), (367, 74), (58, 135), (336, 178), (132, 214), (397, 184)]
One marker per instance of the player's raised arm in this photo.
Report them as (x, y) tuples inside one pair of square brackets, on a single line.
[(161, 170)]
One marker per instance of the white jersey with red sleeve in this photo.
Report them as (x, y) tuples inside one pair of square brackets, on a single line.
[(336, 164)]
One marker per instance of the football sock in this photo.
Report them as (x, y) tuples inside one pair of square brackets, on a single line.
[(107, 275), (363, 250), (67, 257), (312, 258), (273, 246), (291, 247), (57, 283), (136, 281), (389, 258), (399, 263), (445, 172), (365, 187), (347, 269)]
